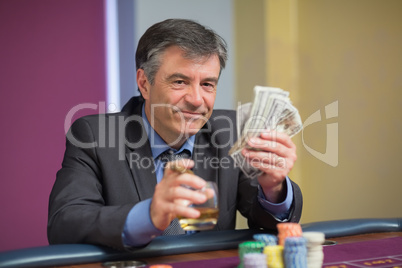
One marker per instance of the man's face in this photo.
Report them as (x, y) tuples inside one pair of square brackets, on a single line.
[(182, 97)]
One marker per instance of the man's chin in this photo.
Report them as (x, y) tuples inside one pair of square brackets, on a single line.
[(189, 133), (190, 130), (194, 127)]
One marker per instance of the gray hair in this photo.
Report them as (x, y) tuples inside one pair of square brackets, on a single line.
[(193, 38)]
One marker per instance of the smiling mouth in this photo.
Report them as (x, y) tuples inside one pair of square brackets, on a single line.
[(191, 115)]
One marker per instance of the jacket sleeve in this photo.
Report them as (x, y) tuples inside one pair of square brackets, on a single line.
[(257, 217), (77, 209)]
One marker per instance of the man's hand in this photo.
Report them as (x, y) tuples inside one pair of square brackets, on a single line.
[(273, 153), (171, 199)]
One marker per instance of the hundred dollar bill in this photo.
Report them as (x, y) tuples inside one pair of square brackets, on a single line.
[(272, 110)]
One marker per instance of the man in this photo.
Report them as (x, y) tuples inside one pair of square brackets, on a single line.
[(112, 188)]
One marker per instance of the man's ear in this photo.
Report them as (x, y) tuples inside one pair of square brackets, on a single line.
[(143, 83)]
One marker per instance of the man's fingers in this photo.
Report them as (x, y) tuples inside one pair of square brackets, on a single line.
[(177, 173), (271, 139), (175, 179), (174, 193), (260, 147), (185, 162), (279, 137), (184, 193), (187, 212), (265, 160)]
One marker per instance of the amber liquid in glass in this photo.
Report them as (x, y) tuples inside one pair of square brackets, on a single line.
[(206, 221)]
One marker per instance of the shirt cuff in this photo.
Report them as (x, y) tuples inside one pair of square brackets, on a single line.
[(139, 229), (281, 211)]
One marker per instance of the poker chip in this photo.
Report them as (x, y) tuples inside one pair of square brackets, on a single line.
[(249, 247), (315, 253), (274, 256), (254, 260), (292, 227), (268, 239), (288, 229), (314, 238), (295, 252)]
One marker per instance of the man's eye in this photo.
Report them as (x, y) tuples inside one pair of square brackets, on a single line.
[(179, 82), (209, 86)]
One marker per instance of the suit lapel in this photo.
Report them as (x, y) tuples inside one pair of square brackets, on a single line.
[(138, 153), (205, 157)]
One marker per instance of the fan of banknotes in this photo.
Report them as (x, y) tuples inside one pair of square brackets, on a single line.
[(272, 110)]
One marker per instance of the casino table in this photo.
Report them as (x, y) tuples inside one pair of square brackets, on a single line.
[(359, 243)]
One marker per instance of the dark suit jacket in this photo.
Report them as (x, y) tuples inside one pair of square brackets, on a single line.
[(98, 185)]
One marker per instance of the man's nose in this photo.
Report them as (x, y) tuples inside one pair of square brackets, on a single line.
[(194, 96)]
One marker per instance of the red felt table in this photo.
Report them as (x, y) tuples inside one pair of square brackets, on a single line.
[(368, 250)]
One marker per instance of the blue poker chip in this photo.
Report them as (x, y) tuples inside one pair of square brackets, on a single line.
[(295, 252), (292, 241), (295, 262), (268, 239)]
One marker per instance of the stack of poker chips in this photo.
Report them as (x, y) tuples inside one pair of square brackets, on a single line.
[(291, 249), (315, 253), (247, 248), (272, 251), (274, 256), (288, 229), (295, 252)]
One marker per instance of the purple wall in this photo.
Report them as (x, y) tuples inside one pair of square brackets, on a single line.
[(52, 58)]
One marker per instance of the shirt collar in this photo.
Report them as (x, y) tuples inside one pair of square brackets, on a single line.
[(158, 145)]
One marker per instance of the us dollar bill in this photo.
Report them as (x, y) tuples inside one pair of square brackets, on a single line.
[(270, 110)]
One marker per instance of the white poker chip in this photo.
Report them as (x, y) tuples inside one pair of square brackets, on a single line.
[(315, 249), (254, 260), (315, 253), (314, 237)]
